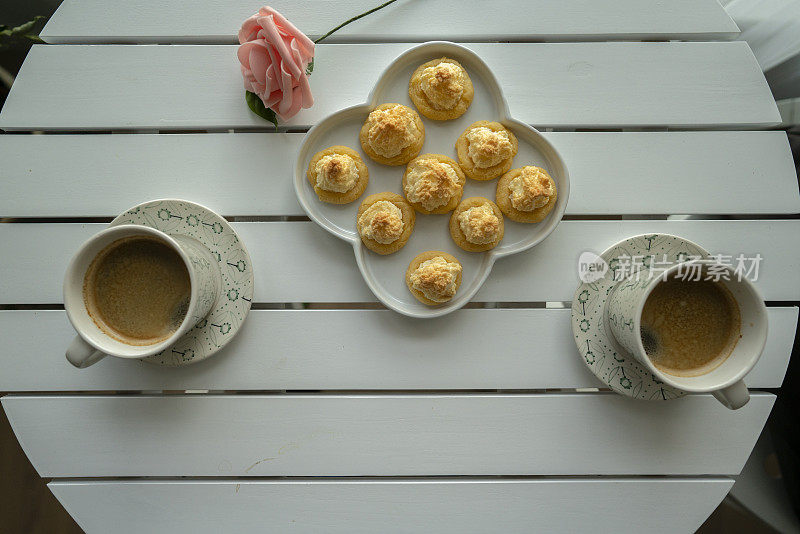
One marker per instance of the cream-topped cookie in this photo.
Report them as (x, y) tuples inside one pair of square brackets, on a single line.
[(382, 222), (337, 174), (531, 189), (385, 222), (441, 89), (434, 277), (392, 134), (433, 183), (477, 224), (486, 150), (526, 194)]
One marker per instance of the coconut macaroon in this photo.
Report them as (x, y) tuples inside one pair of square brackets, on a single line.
[(338, 175), (476, 225), (527, 194), (433, 184), (441, 89), (486, 150), (385, 222), (393, 134), (433, 277)]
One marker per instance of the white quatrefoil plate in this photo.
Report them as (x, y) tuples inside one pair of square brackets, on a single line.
[(385, 275)]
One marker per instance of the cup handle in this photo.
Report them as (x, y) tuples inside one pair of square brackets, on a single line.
[(82, 355), (734, 396)]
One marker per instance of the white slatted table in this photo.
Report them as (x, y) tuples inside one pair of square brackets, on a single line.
[(301, 424)]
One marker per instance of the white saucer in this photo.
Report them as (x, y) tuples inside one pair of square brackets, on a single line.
[(612, 364), (180, 217)]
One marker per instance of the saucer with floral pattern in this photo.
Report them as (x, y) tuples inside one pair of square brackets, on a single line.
[(217, 329), (609, 362)]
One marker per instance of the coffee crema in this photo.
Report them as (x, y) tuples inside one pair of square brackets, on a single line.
[(688, 328), (137, 290)]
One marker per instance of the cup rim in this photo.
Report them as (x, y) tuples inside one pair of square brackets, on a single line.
[(70, 274), (667, 378)]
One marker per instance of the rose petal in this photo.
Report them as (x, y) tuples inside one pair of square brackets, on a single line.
[(274, 39), (259, 63), (305, 43)]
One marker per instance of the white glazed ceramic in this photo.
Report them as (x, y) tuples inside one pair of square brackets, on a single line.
[(218, 328), (599, 350), (725, 382), (385, 275), (92, 343)]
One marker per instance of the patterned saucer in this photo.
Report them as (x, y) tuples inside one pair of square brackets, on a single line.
[(218, 328), (612, 364)]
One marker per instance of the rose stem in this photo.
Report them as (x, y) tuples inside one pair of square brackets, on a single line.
[(345, 23)]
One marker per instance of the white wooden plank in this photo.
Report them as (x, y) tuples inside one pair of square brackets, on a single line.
[(218, 21), (365, 435), (546, 84), (116, 172), (276, 350), (392, 506), (286, 258), (770, 27)]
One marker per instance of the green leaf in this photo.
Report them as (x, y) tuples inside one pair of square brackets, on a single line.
[(257, 106), (310, 67), (20, 34)]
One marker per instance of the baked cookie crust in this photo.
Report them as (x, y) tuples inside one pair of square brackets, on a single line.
[(502, 197), (451, 205), (409, 218), (407, 154), (458, 235), (424, 105), (487, 173), (334, 197), (416, 262)]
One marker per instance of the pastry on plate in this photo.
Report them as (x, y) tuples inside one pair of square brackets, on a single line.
[(476, 225), (486, 150), (385, 222), (338, 175), (433, 277), (392, 134), (433, 183), (527, 194), (441, 89)]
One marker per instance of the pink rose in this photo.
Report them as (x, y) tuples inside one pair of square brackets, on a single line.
[(274, 56)]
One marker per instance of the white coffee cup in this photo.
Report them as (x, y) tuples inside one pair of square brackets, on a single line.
[(92, 344), (623, 316)]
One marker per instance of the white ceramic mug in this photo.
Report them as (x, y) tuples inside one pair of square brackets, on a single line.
[(623, 316), (92, 344)]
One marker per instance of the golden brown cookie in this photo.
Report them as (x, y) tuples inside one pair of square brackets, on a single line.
[(442, 278), (484, 224), (441, 89), (382, 225), (535, 192), (392, 134), (488, 148), (337, 171), (430, 179)]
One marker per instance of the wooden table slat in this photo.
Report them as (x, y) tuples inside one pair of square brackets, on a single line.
[(286, 259), (595, 85), (383, 435), (392, 506), (218, 21), (276, 350), (667, 172)]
